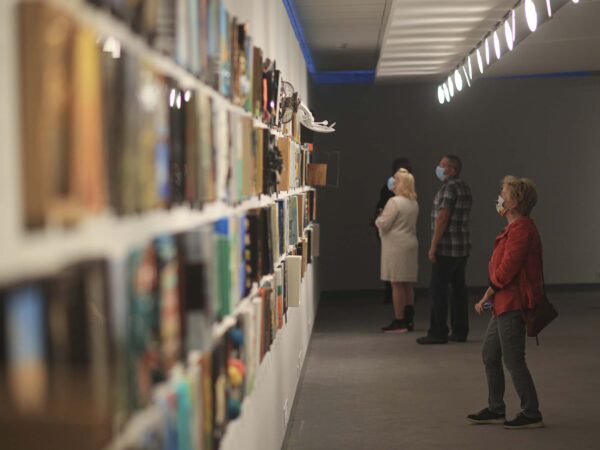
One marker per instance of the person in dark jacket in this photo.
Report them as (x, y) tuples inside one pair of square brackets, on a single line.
[(516, 285), (384, 195)]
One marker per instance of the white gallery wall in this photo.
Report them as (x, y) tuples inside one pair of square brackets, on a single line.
[(271, 29), (543, 128)]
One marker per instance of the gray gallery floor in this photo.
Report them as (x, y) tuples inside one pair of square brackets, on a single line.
[(362, 389)]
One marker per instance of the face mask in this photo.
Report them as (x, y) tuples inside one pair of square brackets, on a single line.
[(500, 206), (391, 183), (440, 173)]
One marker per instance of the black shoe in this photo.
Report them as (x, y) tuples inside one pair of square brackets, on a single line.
[(397, 326), (522, 421), (486, 417), (453, 338), (431, 340)]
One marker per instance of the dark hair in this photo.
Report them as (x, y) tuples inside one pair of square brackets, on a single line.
[(401, 163), (454, 162)]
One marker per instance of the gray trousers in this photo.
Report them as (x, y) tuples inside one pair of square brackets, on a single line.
[(505, 341)]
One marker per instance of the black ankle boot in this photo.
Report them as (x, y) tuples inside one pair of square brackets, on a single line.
[(409, 315), (397, 326)]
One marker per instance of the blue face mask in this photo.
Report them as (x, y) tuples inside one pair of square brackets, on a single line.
[(440, 173), (391, 183)]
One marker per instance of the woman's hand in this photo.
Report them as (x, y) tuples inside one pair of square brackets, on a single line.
[(479, 306), (489, 293)]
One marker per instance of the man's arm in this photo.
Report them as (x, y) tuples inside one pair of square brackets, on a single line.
[(441, 222)]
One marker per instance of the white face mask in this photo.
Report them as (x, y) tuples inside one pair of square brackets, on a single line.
[(500, 206)]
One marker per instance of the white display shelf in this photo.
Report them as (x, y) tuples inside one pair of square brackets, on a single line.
[(35, 254)]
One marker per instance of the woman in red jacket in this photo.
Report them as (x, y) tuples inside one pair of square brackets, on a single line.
[(516, 284)]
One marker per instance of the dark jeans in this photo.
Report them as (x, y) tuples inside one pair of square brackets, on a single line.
[(505, 340), (449, 272)]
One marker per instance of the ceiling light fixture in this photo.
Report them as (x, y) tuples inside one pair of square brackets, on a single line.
[(441, 96), (458, 80), (470, 67), (509, 36), (575, 1), (514, 25), (466, 76), (497, 45), (531, 15), (479, 60), (528, 13)]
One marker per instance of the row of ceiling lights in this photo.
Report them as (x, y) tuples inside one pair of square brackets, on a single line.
[(482, 53)]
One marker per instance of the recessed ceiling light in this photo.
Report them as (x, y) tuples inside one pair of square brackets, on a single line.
[(458, 80), (466, 76), (446, 93), (497, 45), (487, 51), (470, 67), (441, 96), (509, 36), (479, 60), (575, 1), (549, 7), (531, 15), (450, 86), (514, 25)]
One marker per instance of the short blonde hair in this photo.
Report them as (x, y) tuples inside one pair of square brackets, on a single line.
[(406, 184), (522, 191)]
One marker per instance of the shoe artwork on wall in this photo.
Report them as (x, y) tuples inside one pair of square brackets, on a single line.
[(308, 121)]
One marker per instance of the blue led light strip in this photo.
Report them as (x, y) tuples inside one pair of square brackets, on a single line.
[(299, 34), (330, 77)]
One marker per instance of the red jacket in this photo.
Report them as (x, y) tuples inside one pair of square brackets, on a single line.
[(515, 269)]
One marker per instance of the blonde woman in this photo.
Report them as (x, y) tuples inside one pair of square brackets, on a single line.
[(397, 225)]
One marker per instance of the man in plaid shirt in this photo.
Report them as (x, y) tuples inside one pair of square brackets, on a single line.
[(449, 251)]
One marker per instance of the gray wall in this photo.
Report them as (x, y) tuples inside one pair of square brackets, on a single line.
[(543, 128)]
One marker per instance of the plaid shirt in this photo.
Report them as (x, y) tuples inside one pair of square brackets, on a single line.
[(455, 197)]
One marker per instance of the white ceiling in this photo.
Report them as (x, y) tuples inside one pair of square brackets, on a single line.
[(356, 25), (427, 38)]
